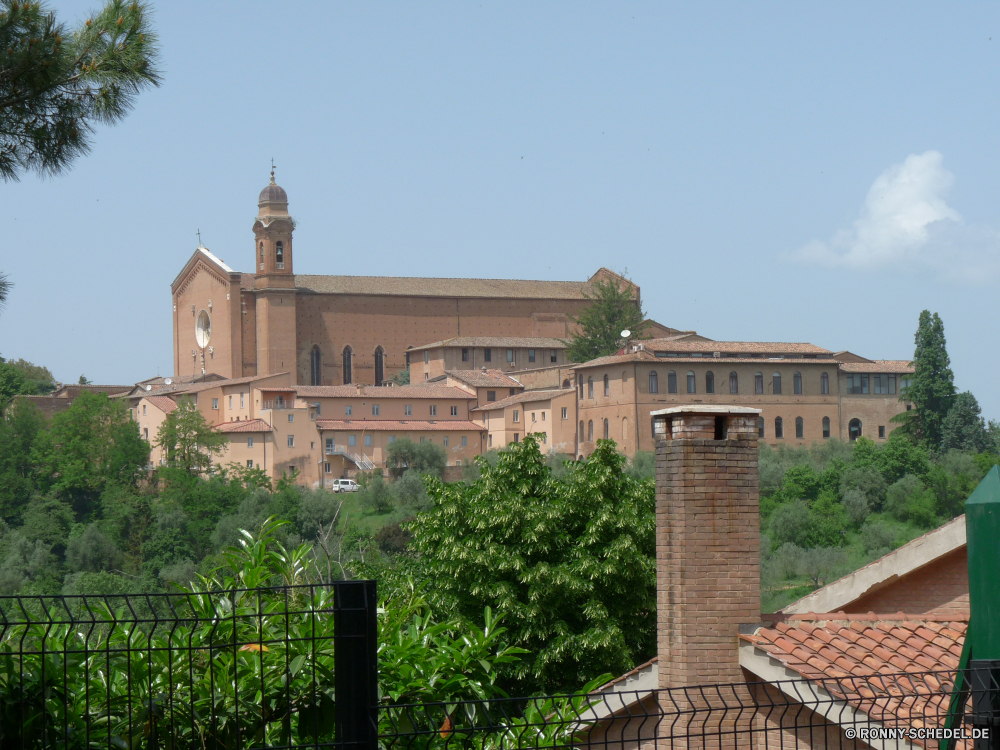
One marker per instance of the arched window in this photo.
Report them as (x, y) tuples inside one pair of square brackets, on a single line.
[(379, 365), (347, 364), (800, 428), (779, 428), (607, 430), (654, 382), (854, 429), (261, 256), (279, 254), (316, 376), (709, 382), (824, 383), (607, 386), (758, 383), (692, 385), (590, 430), (671, 382), (760, 427), (776, 383), (797, 383), (734, 382), (590, 387), (826, 427), (566, 383), (579, 380), (581, 430)]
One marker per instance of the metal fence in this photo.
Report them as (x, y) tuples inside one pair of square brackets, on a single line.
[(222, 670)]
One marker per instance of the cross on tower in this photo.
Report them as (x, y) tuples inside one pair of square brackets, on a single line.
[(272, 168), (199, 238)]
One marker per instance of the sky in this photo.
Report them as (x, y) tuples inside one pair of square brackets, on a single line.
[(764, 171)]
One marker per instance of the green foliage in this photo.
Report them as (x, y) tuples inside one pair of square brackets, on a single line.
[(20, 424), (400, 378), (932, 389), (92, 552), (376, 495), (642, 466), (57, 84), (856, 506), (22, 378), (822, 564), (12, 383), (568, 562), (189, 441), (878, 538), (964, 428), (5, 286), (409, 492), (909, 500), (868, 480), (423, 458), (613, 308)]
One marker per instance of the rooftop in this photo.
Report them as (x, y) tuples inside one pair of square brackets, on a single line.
[(500, 342), (525, 397), (380, 392), (400, 425), (251, 425), (484, 379), (676, 344), (902, 366), (441, 287), (163, 403)]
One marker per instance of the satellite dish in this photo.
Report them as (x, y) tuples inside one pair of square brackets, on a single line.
[(626, 333), (149, 387), (168, 381)]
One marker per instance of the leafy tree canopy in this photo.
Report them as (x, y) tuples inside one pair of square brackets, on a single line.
[(964, 428), (423, 458), (56, 84), (613, 308), (189, 441), (932, 388)]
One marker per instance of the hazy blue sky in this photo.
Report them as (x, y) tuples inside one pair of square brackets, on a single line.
[(786, 172)]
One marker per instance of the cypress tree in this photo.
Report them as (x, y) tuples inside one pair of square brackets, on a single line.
[(932, 388), (964, 427), (614, 307)]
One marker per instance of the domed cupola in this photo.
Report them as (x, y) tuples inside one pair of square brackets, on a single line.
[(273, 193), (273, 234)]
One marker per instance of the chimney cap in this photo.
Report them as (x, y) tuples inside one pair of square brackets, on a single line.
[(706, 409)]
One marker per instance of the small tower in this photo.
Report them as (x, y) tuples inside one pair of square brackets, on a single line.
[(273, 238)]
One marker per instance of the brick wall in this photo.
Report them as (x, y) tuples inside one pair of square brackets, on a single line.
[(707, 544), (940, 588)]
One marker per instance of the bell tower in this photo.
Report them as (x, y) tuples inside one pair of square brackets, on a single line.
[(274, 285)]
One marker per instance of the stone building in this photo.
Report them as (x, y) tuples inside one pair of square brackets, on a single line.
[(334, 330)]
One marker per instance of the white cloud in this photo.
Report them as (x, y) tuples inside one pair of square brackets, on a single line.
[(906, 224)]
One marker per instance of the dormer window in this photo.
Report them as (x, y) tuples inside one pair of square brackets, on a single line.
[(279, 254)]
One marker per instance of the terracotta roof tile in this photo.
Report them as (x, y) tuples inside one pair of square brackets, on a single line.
[(525, 397), (500, 342), (902, 366), (405, 425), (734, 347), (250, 425), (163, 403), (382, 392), (441, 287), (484, 379)]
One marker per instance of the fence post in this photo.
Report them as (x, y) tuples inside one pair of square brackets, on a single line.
[(355, 657)]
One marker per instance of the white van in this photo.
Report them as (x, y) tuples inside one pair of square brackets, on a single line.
[(345, 485)]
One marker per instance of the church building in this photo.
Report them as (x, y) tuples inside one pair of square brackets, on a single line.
[(332, 330)]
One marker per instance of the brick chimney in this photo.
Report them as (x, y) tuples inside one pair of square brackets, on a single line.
[(707, 540)]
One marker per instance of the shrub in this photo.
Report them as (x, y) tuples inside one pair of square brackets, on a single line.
[(92, 552), (642, 465), (822, 564), (877, 535), (410, 491), (376, 496), (868, 480), (856, 506), (909, 500), (790, 523)]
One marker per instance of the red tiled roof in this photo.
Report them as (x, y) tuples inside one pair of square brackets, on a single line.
[(405, 425), (480, 379), (525, 397), (442, 287), (736, 347), (501, 342), (617, 359), (163, 403), (879, 365), (251, 425), (379, 392)]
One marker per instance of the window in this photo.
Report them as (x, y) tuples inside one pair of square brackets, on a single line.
[(392, 438), (489, 440), (291, 441), (671, 382), (379, 365), (434, 410), (590, 387), (487, 355), (465, 440), (758, 383), (517, 415), (533, 417), (145, 433), (857, 384), (734, 382), (579, 381), (881, 431), (279, 254), (446, 441), (330, 445), (375, 410), (692, 385), (510, 356), (779, 428), (368, 441), (215, 403), (352, 440), (241, 400), (348, 410), (581, 430), (760, 427), (797, 384), (905, 383), (314, 367), (454, 411), (326, 467), (826, 427), (624, 430), (516, 437), (249, 463), (230, 402), (854, 429), (143, 410), (776, 383), (491, 395), (250, 442), (291, 417), (543, 416), (607, 386), (512, 392), (543, 437), (607, 430), (347, 364), (800, 428), (408, 410), (564, 412), (465, 354), (427, 356), (654, 384), (590, 430), (531, 355), (709, 382), (553, 355), (885, 384), (261, 256), (824, 384)]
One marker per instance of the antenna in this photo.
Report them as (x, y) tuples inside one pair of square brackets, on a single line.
[(168, 381), (626, 333), (149, 387), (199, 238)]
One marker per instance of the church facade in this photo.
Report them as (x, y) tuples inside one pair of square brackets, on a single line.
[(332, 330)]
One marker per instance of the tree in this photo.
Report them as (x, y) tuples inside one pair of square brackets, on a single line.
[(613, 308), (423, 458), (964, 428), (20, 424), (83, 380), (12, 383), (932, 388), (569, 563), (190, 442), (5, 286), (57, 84), (401, 378)]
